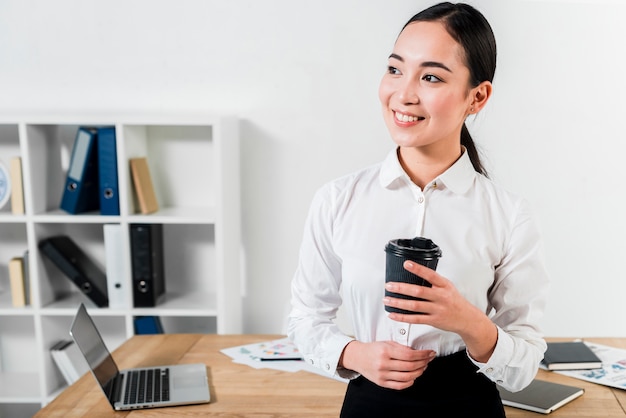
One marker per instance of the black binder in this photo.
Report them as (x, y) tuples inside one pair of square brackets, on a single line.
[(75, 264), (146, 245)]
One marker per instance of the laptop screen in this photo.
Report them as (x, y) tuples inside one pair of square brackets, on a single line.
[(88, 339)]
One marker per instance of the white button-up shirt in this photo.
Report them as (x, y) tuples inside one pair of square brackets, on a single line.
[(491, 251)]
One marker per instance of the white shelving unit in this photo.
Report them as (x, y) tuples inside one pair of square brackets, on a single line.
[(194, 164)]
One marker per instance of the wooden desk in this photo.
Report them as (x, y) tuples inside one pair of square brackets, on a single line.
[(239, 390)]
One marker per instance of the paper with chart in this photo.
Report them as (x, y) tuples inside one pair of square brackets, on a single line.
[(280, 354)]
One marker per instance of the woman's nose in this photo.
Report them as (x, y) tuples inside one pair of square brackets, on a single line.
[(408, 92)]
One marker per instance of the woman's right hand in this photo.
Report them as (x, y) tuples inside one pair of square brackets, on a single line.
[(386, 363)]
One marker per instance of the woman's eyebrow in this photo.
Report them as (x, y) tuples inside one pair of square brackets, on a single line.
[(424, 64), (436, 65)]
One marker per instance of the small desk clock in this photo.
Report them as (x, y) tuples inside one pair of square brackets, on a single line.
[(5, 185)]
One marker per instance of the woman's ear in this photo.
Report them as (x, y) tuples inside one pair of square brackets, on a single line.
[(480, 96)]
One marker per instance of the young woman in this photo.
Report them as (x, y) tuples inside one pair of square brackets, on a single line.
[(480, 321)]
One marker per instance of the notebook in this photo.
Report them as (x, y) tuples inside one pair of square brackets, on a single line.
[(540, 396), (170, 385), (570, 355)]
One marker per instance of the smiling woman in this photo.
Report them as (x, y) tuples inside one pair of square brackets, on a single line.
[(425, 98), (478, 317)]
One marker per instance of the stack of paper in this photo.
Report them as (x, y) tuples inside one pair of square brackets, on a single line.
[(69, 360), (281, 354)]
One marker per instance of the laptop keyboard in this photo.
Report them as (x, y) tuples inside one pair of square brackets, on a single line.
[(146, 386)]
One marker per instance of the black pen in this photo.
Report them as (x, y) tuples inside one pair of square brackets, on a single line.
[(280, 358)]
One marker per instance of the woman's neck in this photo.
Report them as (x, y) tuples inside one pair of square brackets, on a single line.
[(423, 167)]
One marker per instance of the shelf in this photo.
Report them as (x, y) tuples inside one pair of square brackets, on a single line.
[(59, 216), (177, 304), (19, 388), (172, 304), (8, 218), (19, 409), (194, 166), (178, 215), (165, 215), (7, 308)]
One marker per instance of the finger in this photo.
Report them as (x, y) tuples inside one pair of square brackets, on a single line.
[(415, 306), (408, 366), (402, 352), (425, 273), (396, 385), (409, 289), (404, 377), (420, 318)]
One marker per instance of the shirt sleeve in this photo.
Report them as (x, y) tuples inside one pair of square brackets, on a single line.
[(315, 292), (518, 296)]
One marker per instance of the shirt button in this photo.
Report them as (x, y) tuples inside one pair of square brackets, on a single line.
[(499, 382), (420, 199), (402, 331), (489, 370), (312, 361), (327, 366)]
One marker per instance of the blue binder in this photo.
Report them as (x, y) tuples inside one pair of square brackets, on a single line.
[(107, 167), (148, 325), (81, 185)]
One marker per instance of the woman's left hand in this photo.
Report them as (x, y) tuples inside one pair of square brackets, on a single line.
[(445, 308), (442, 306)]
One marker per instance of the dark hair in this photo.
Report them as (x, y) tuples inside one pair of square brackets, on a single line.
[(471, 30)]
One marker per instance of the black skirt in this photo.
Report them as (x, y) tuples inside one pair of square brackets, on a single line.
[(450, 387)]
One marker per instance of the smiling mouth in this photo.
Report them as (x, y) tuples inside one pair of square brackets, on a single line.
[(401, 117)]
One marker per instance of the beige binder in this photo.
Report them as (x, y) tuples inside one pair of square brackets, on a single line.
[(17, 186), (144, 189), (16, 275)]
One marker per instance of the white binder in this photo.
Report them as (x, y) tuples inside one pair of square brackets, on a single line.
[(117, 285)]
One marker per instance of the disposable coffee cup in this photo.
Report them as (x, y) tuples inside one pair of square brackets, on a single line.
[(420, 250)]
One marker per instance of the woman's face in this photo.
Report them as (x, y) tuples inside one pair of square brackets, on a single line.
[(425, 94)]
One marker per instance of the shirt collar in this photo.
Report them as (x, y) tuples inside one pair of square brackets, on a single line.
[(458, 178)]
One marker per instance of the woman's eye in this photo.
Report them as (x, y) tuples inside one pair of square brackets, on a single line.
[(393, 70), (431, 78)]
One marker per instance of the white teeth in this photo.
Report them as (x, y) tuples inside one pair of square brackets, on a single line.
[(406, 118)]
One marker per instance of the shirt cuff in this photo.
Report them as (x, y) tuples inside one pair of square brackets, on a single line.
[(495, 367), (330, 359)]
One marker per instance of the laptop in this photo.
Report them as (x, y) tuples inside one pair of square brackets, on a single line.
[(141, 387)]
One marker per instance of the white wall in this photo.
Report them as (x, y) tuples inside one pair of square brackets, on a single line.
[(303, 77)]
